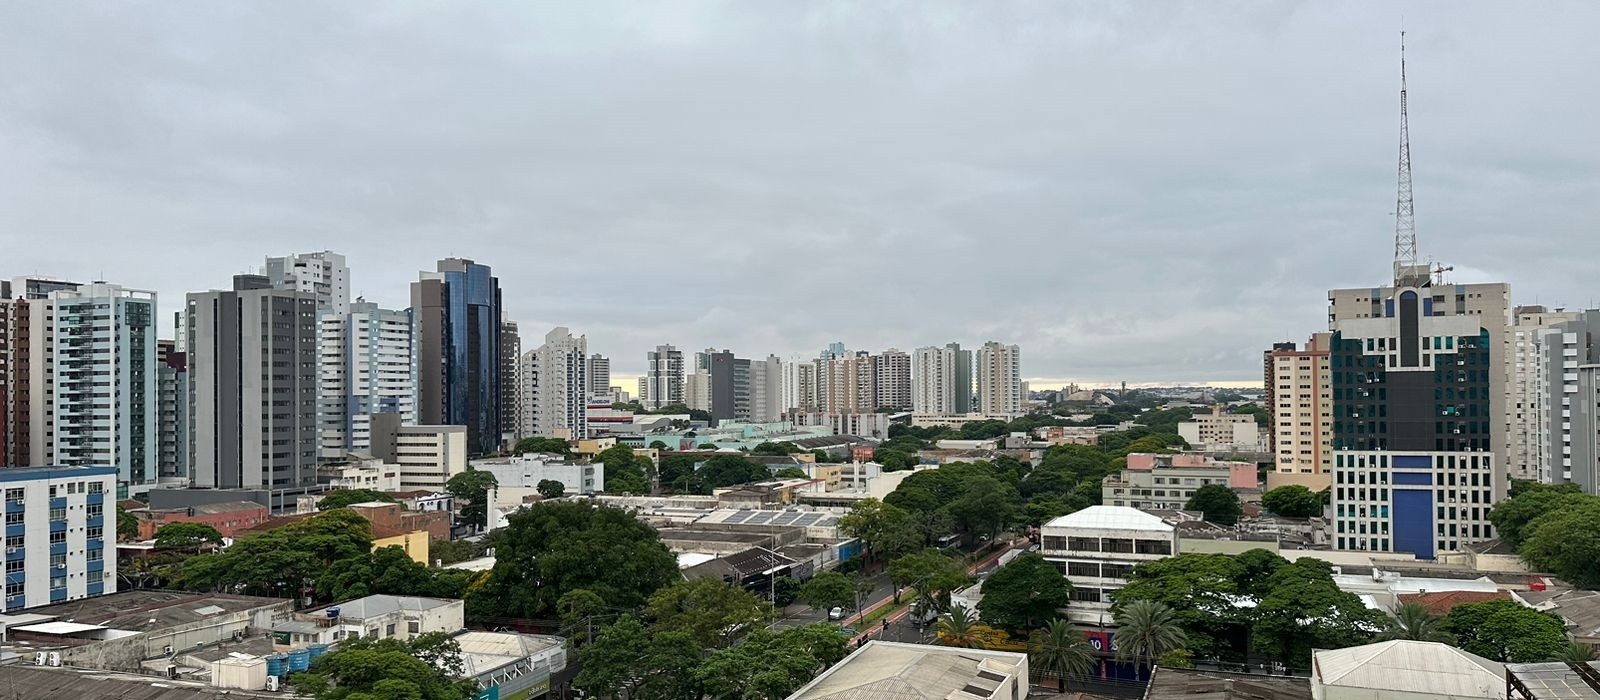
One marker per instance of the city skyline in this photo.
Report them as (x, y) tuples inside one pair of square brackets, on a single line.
[(1195, 182)]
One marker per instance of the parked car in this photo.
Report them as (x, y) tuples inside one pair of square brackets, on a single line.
[(837, 613)]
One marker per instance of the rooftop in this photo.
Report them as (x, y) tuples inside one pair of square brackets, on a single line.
[(53, 472), (143, 611), (1111, 518), (1553, 680), (1428, 668), (45, 683), (1174, 683), (482, 652), (914, 672), (1440, 602), (375, 605)]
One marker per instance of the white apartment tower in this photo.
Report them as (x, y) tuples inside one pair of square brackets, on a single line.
[(999, 379), (941, 380), (367, 364), (106, 397), (1526, 409), (799, 385), (323, 274), (61, 534), (662, 384), (555, 386), (599, 374)]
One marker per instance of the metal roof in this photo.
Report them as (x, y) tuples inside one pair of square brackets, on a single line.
[(1111, 518), (1555, 680), (1174, 683), (1429, 668)]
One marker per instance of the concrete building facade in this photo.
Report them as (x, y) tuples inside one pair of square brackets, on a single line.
[(1222, 432), (1097, 547), (59, 545), (555, 387), (172, 410), (1160, 482), (891, 370), (1528, 430), (662, 384), (1569, 435), (252, 354), (324, 275), (367, 364), (1299, 398), (941, 380), (105, 398), (599, 374), (427, 455), (999, 372)]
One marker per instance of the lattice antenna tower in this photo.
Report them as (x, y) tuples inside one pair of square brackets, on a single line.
[(1405, 222)]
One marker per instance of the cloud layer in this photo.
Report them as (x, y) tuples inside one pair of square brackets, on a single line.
[(1149, 192)]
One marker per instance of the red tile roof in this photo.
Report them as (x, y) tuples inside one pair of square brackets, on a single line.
[(1440, 603)]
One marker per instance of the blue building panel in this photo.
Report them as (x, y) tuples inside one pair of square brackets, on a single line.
[(1413, 462), (1413, 478), (1413, 522)]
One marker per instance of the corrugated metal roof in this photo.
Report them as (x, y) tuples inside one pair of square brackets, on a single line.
[(1402, 665), (66, 684)]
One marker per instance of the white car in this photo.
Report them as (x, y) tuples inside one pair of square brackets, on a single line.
[(837, 613)]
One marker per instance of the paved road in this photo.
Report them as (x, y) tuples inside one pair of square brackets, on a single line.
[(897, 628), (800, 614)]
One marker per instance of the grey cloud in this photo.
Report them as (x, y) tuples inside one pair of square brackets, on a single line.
[(1130, 191)]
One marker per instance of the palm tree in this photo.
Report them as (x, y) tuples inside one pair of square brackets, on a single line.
[(1146, 630), (957, 628), (1576, 653), (1413, 621), (1060, 651)]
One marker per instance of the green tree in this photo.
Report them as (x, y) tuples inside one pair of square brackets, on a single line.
[(790, 473), (932, 573), (1292, 502), (369, 669), (1060, 652), (187, 536), (348, 497), (611, 661), (884, 530), (1413, 621), (1575, 653), (1198, 588), (279, 562), (771, 665), (625, 472), (1566, 542), (958, 628), (828, 590), (550, 488), (553, 547), (1146, 630), (1507, 631), (1305, 610), (1529, 501), (127, 525), (471, 491), (390, 571), (1219, 504), (579, 606), (777, 449), (547, 445), (728, 470), (709, 610), (986, 507), (1024, 594), (452, 551)]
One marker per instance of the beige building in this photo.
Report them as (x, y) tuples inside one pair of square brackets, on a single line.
[(999, 372), (1221, 432), (1300, 413), (849, 384), (427, 455)]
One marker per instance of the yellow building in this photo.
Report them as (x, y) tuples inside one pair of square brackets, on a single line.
[(415, 545)]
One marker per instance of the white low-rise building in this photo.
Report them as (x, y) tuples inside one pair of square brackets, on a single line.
[(526, 471), (896, 670), (1097, 547), (1405, 669), (360, 471), (375, 616)]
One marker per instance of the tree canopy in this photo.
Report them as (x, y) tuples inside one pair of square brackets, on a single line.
[(1507, 631), (1218, 503), (471, 491), (182, 535), (632, 660), (709, 610), (1024, 594), (389, 570), (550, 488), (1292, 501), (1527, 502), (554, 547), (625, 472), (933, 574), (377, 669), (279, 562), (543, 445), (348, 497)]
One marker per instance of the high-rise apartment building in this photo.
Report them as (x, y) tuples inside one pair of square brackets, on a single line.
[(61, 544), (697, 391), (1527, 429), (367, 365), (1299, 398), (459, 338), (891, 371), (999, 373), (1418, 379), (172, 410), (662, 384), (511, 418), (31, 382), (6, 382), (105, 398), (941, 380), (848, 384), (252, 354), (426, 455), (1570, 403), (555, 386), (730, 384), (799, 385), (322, 274), (599, 374), (766, 390)]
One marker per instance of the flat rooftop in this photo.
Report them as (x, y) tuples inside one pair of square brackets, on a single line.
[(46, 683), (1178, 684), (143, 611), (52, 472), (913, 672)]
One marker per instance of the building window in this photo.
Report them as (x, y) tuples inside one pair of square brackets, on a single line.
[(1055, 542), (1117, 545), (1083, 568), (1116, 570), (1083, 544), (1086, 595), (1161, 547)]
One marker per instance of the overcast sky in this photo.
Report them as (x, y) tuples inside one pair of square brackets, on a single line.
[(1150, 192)]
